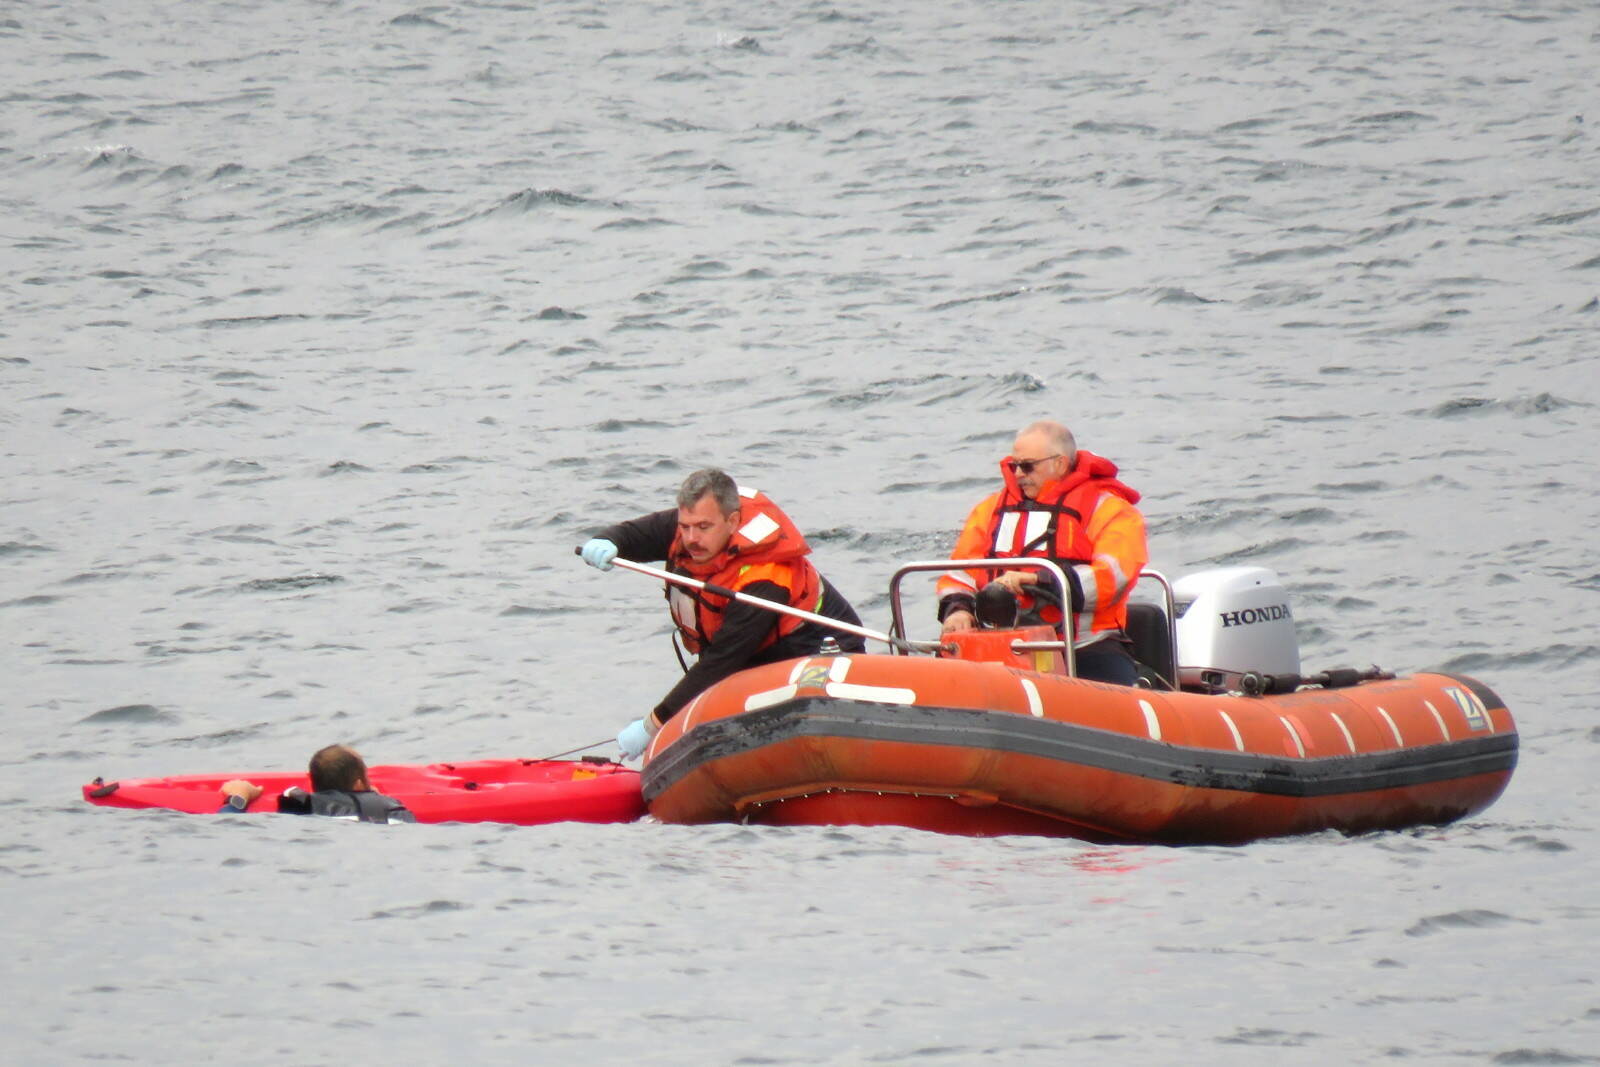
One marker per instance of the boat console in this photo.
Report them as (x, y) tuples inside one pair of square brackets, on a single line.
[(1226, 629)]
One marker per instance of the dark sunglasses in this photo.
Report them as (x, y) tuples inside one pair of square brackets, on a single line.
[(1025, 466)]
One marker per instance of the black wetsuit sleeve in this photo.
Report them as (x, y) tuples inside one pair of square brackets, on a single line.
[(294, 801), (957, 602), (744, 627), (646, 539), (806, 640)]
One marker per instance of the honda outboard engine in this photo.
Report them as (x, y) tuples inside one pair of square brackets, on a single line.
[(1233, 621)]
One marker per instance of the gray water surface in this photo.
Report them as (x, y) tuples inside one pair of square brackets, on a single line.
[(331, 327)]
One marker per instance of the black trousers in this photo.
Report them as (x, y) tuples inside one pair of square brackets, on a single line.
[(1107, 660)]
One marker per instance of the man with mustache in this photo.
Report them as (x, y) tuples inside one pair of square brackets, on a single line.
[(740, 540)]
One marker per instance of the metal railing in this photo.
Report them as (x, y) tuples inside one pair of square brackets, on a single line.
[(1167, 603), (1049, 567)]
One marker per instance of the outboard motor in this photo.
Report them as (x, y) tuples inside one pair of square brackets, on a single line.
[(1233, 621)]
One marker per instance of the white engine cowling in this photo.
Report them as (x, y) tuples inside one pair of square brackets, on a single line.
[(1233, 620)]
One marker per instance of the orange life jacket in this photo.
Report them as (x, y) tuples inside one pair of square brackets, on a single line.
[(1055, 526), (767, 547)]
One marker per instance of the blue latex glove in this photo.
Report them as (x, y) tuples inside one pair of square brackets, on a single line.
[(634, 738), (598, 553)]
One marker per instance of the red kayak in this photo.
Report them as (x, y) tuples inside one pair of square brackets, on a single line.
[(520, 791)]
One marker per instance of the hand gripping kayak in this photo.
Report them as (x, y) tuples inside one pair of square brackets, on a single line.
[(768, 605)]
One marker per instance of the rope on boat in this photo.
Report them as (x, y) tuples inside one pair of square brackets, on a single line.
[(575, 751)]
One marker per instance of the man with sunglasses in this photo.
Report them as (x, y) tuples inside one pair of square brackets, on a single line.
[(1062, 503)]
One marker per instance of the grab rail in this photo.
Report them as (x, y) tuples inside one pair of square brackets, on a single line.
[(1052, 569), (1169, 610)]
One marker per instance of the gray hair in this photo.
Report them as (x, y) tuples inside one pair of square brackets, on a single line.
[(1059, 436), (722, 488)]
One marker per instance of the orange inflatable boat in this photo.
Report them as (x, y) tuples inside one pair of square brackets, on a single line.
[(994, 735)]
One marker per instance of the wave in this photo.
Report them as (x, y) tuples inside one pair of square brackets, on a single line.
[(130, 713), (935, 389), (417, 19), (983, 298), (340, 215), (296, 581), (633, 223), (1260, 550), (1557, 656), (1285, 255), (1537, 404), (1384, 118), (528, 201), (37, 600)]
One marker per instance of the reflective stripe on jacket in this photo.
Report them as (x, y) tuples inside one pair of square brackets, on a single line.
[(767, 547), (1086, 522)]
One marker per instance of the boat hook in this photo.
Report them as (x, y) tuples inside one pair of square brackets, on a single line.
[(769, 605)]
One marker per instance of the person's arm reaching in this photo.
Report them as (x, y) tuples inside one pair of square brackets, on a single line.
[(744, 628), (646, 539), (237, 794)]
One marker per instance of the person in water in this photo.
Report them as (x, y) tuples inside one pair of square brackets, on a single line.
[(740, 540), (339, 788), (1065, 504)]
